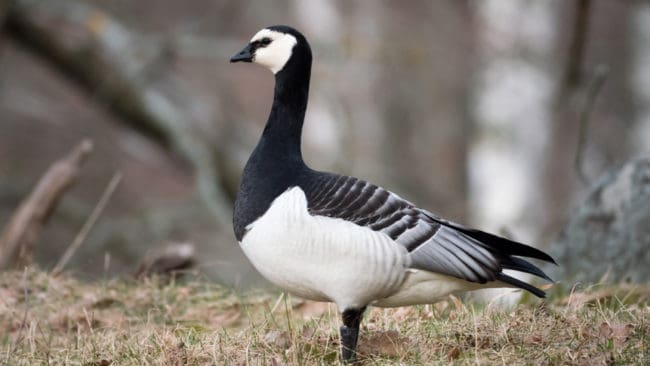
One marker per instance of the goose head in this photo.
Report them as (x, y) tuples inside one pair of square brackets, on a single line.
[(275, 47)]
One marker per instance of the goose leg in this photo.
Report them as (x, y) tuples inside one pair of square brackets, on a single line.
[(350, 333)]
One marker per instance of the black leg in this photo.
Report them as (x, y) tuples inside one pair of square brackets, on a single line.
[(350, 333)]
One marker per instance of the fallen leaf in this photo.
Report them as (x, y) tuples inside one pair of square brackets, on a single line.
[(308, 332), (177, 355), (184, 292), (441, 306), (621, 333), (8, 296), (99, 363), (604, 331), (386, 344), (73, 322), (278, 339), (534, 339), (104, 303), (403, 313), (228, 316), (453, 354), (457, 303), (618, 333), (580, 299)]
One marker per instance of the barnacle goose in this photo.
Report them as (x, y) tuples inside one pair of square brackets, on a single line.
[(329, 237)]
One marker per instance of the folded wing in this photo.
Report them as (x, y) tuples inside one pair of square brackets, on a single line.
[(434, 244)]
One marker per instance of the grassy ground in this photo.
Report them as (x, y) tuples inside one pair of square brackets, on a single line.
[(46, 320)]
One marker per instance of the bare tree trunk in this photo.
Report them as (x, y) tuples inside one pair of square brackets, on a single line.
[(605, 144), (425, 111)]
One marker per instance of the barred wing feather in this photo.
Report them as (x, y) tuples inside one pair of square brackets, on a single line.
[(434, 244)]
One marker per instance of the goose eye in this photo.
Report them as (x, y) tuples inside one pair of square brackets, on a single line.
[(265, 41)]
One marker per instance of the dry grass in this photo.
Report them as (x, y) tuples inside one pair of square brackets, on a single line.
[(46, 320)]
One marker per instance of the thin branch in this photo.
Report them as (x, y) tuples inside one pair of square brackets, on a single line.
[(90, 222), (25, 226), (26, 312)]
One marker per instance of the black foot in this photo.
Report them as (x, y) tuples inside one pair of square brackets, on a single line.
[(350, 333), (349, 337)]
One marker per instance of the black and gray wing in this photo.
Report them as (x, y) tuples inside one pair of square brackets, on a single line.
[(434, 244)]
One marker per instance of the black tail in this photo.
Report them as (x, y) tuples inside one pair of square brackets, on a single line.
[(503, 245), (521, 284), (507, 251), (522, 265)]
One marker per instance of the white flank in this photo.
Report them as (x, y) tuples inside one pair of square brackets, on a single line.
[(328, 259), (277, 53), (323, 258), (423, 287)]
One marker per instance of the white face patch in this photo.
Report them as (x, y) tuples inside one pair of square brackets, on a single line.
[(276, 54)]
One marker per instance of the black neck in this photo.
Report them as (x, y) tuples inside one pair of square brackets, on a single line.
[(276, 164), (284, 127)]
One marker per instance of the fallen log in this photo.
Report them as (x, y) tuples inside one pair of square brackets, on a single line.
[(168, 260)]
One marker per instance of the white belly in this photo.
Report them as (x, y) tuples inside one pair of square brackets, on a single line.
[(323, 258), (423, 287)]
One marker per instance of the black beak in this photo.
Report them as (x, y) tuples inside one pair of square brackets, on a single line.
[(245, 55)]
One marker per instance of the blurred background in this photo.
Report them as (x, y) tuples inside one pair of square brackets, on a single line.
[(500, 114)]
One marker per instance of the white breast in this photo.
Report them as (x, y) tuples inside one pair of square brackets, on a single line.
[(323, 258)]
